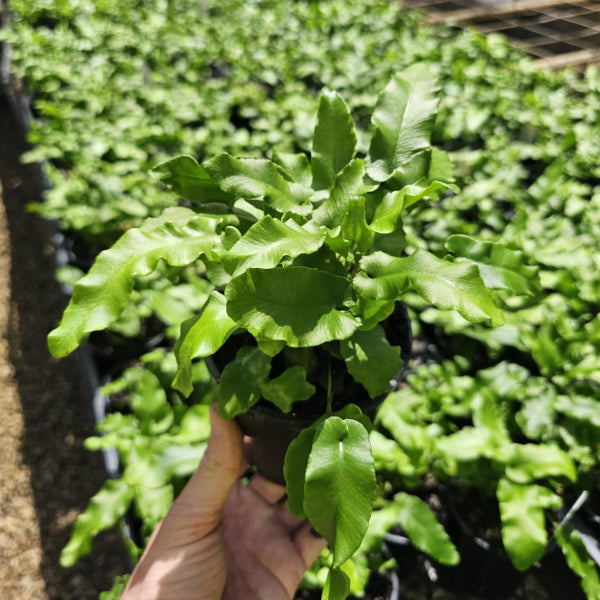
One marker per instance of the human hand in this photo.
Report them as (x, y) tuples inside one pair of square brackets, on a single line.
[(223, 539)]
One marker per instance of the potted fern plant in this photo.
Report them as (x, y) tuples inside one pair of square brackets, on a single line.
[(308, 260)]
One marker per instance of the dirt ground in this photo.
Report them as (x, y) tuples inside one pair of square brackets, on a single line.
[(46, 475)]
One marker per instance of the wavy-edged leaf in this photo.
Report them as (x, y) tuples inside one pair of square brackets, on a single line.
[(499, 266), (202, 335), (103, 511), (249, 178), (523, 524), (294, 166), (289, 387), (580, 561), (402, 121), (444, 284), (527, 462), (178, 237), (295, 304), (268, 241), (241, 379), (332, 211), (424, 530), (334, 140), (371, 360), (190, 180), (340, 485)]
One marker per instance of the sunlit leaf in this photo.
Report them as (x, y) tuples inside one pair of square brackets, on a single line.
[(102, 512), (523, 524), (424, 530), (334, 140), (402, 121), (178, 237), (295, 304), (337, 585), (267, 242), (201, 336), (190, 180), (371, 360), (499, 266), (444, 284), (340, 485)]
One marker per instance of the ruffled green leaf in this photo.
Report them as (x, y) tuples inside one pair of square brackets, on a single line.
[(295, 304), (190, 180), (291, 386), (371, 360), (402, 121), (528, 462), (424, 530), (334, 140), (241, 380), (340, 485), (500, 267), (202, 335), (523, 525), (580, 561), (295, 167), (443, 284), (249, 178), (267, 242), (178, 237), (103, 511), (332, 211)]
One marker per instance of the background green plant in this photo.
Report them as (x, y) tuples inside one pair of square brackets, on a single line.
[(526, 146)]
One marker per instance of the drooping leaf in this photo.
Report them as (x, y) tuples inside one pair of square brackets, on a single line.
[(334, 140), (337, 585), (294, 470), (444, 284), (267, 242), (402, 121), (347, 184), (201, 336), (178, 237), (239, 387), (499, 266), (190, 180), (295, 304), (102, 512), (523, 524), (424, 530), (527, 462), (249, 178), (340, 485), (371, 360), (580, 561), (289, 387)]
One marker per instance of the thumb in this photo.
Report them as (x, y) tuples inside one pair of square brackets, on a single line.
[(221, 466)]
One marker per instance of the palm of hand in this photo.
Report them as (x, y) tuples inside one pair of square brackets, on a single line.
[(267, 549)]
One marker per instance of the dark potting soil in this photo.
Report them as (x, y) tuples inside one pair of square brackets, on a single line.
[(52, 476)]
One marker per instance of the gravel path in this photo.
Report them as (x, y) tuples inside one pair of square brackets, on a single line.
[(46, 476)]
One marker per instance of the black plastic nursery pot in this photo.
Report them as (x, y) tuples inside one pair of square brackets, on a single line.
[(271, 431)]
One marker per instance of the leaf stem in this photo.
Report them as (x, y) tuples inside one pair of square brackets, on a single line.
[(329, 409)]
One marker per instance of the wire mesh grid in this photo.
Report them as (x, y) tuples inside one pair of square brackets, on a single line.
[(556, 33)]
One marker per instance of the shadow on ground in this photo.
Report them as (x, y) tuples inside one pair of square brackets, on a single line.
[(56, 409)]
